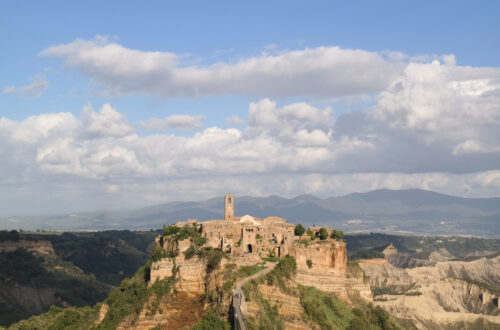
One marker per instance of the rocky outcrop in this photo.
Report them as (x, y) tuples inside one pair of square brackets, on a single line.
[(329, 254)]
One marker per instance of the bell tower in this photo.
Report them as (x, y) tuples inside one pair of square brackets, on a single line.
[(229, 207)]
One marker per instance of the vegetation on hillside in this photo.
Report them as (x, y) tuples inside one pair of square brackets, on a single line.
[(324, 310), (61, 318), (61, 282), (12, 235), (367, 254)]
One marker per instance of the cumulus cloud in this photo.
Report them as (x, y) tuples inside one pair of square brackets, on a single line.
[(106, 122), (433, 125), (186, 122), (322, 71), (35, 89)]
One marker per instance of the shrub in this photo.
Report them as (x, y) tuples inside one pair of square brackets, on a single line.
[(337, 234), (309, 263), (211, 322), (198, 241)]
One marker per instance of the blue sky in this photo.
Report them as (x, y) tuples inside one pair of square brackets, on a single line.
[(224, 55), (227, 31)]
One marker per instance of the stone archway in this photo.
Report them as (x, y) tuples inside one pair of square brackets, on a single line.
[(249, 248)]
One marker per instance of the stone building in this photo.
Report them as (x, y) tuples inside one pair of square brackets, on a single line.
[(247, 234)]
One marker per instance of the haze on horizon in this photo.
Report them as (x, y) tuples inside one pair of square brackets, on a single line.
[(109, 105)]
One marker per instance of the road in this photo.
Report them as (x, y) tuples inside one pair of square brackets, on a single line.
[(239, 296)]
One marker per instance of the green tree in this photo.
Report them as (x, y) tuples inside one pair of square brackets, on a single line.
[(323, 234), (337, 234), (299, 230)]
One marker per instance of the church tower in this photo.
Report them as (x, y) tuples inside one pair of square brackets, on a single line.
[(229, 207)]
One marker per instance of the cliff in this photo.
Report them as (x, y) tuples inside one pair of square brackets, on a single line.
[(38, 246), (323, 264), (195, 288)]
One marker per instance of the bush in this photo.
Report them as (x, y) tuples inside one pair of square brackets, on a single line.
[(170, 230), (309, 263), (299, 230), (158, 253), (311, 234)]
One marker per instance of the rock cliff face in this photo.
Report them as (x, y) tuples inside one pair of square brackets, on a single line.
[(323, 264), (328, 254), (188, 303), (448, 292), (39, 246)]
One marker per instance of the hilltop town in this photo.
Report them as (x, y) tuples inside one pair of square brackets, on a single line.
[(247, 241)]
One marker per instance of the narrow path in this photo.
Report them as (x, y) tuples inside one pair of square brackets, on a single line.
[(239, 296)]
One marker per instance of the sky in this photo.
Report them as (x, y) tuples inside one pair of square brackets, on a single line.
[(122, 104)]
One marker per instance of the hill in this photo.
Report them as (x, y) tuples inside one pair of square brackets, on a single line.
[(391, 211)]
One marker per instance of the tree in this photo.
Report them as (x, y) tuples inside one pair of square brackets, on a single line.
[(299, 230), (337, 234), (323, 234)]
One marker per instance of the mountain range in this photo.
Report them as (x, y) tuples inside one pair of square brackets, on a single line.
[(392, 211)]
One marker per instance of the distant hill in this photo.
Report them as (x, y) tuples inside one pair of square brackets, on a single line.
[(394, 211)]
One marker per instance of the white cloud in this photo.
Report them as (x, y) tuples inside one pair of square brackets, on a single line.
[(186, 122), (35, 89), (435, 96), (322, 71), (235, 120), (434, 125), (475, 146)]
